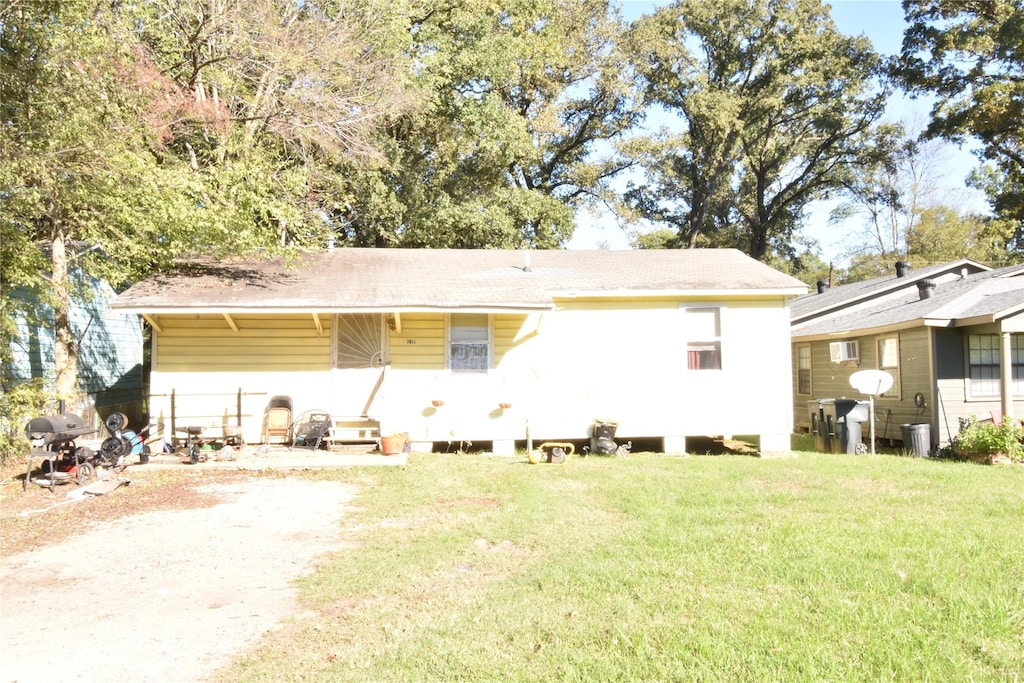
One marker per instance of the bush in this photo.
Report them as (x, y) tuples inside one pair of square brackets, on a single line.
[(987, 438), (19, 403)]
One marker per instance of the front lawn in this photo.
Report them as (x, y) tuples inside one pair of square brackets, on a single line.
[(649, 567)]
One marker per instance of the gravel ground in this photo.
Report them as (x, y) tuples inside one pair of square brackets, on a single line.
[(168, 595)]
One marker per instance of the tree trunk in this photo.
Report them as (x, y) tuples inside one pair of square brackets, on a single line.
[(65, 348)]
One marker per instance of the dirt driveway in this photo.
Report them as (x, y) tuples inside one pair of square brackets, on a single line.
[(166, 595)]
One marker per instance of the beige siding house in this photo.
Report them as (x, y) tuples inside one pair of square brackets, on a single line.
[(487, 346), (951, 335)]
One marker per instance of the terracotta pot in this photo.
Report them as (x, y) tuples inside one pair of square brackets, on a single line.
[(392, 445)]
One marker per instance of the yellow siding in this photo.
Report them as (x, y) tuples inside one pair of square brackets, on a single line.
[(507, 330), (420, 345), (206, 343)]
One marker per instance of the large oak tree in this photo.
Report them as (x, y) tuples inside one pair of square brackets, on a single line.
[(772, 108)]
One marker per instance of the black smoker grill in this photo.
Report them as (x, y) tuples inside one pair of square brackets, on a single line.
[(53, 438)]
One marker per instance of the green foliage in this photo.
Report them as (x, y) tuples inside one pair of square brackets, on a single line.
[(988, 438), (19, 403), (943, 234), (518, 97), (661, 238), (776, 108), (970, 56)]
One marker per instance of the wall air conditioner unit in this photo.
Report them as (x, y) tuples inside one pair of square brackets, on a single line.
[(844, 351)]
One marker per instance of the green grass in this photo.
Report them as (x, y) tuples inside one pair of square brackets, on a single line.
[(817, 568)]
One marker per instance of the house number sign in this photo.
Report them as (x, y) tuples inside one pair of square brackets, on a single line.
[(410, 341)]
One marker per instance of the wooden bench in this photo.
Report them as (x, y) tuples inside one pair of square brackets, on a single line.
[(354, 430)]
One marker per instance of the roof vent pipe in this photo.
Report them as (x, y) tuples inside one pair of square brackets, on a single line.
[(902, 268), (822, 286), (526, 262), (925, 289)]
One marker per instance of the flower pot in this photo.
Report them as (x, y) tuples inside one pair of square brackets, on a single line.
[(392, 445)]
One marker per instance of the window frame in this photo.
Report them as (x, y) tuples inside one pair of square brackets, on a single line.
[(1016, 362), (690, 339), (895, 390), (450, 324), (800, 348)]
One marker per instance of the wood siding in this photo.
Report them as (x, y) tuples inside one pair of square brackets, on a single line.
[(897, 407), (932, 364), (263, 343), (420, 344), (955, 401), (110, 372)]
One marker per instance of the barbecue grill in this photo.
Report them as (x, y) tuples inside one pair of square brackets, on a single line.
[(53, 438)]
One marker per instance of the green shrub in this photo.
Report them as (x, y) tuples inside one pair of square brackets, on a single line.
[(19, 403), (987, 438)]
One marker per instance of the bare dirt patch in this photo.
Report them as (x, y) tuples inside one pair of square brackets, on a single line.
[(166, 579)]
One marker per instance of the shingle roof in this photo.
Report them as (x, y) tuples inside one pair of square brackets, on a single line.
[(814, 304), (986, 295), (404, 279)]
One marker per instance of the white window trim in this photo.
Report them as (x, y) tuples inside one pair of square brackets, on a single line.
[(683, 308), (970, 395), (448, 345), (896, 391)]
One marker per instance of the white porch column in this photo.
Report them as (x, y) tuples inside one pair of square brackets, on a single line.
[(1006, 374)]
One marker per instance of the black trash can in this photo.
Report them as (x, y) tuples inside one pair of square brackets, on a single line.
[(602, 439), (917, 439), (819, 425)]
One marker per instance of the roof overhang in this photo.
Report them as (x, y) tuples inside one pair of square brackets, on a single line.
[(148, 311), (864, 331), (784, 292)]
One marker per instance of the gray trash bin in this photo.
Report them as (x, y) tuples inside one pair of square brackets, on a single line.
[(850, 414), (917, 439)]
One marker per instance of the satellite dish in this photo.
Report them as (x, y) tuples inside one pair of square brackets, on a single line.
[(871, 382)]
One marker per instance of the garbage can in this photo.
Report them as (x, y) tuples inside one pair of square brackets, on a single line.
[(917, 439), (849, 414), (602, 439), (819, 424)]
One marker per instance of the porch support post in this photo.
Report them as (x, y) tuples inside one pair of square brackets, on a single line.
[(1006, 374)]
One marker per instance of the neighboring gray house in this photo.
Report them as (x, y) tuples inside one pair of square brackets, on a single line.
[(110, 363), (952, 336)]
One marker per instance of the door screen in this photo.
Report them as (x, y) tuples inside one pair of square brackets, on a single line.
[(360, 341)]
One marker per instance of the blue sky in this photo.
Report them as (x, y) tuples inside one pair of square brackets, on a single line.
[(881, 21)]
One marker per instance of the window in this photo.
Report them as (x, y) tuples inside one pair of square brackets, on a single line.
[(803, 369), (703, 338), (983, 364), (469, 347), (889, 360)]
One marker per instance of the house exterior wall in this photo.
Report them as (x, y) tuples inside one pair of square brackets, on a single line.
[(933, 362), (561, 370), (110, 372), (206, 365), (955, 399), (555, 373), (897, 406)]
